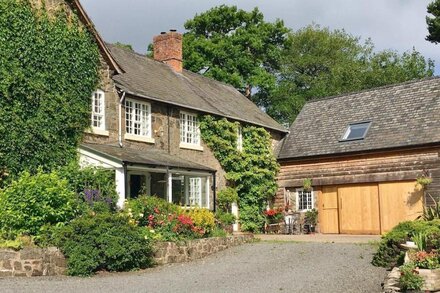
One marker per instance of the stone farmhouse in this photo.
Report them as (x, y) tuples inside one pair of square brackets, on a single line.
[(144, 122)]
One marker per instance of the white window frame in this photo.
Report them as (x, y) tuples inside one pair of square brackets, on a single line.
[(195, 191), (98, 113), (312, 200), (138, 121), (240, 138), (190, 131)]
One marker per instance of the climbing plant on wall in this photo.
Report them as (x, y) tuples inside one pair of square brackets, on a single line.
[(48, 70), (252, 171)]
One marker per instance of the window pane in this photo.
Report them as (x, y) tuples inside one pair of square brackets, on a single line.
[(189, 129), (356, 131), (137, 118), (98, 110)]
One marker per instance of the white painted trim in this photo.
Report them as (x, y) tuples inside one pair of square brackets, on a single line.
[(99, 158), (312, 193), (235, 212), (102, 93), (141, 138), (98, 131), (208, 194), (190, 146), (150, 130), (185, 123), (120, 186)]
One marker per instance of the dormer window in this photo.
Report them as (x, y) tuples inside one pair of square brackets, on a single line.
[(356, 131)]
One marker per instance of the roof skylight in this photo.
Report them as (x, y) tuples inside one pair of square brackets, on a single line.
[(356, 131)]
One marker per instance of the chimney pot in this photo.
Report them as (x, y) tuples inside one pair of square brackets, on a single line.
[(168, 49)]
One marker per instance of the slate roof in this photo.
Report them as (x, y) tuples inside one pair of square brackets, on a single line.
[(151, 157), (401, 115), (147, 78)]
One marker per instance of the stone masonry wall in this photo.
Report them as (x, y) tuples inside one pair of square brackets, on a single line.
[(170, 252), (31, 262)]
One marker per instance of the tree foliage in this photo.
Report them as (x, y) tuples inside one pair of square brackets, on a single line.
[(433, 22), (319, 62), (235, 46), (251, 171), (48, 70)]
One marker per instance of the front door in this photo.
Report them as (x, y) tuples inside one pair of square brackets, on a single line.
[(329, 222)]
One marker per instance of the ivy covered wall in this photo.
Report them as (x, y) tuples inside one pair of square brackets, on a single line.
[(251, 171), (48, 70)]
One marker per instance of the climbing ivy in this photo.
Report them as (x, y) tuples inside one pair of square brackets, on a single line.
[(48, 70), (252, 171)]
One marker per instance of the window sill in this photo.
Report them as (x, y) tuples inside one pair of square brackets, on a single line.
[(139, 138), (97, 131), (191, 146)]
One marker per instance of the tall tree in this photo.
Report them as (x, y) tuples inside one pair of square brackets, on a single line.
[(433, 22), (319, 62), (236, 47)]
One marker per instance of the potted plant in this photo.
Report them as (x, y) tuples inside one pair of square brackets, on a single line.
[(310, 220), (307, 184)]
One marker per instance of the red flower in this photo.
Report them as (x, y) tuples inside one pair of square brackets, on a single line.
[(156, 210)]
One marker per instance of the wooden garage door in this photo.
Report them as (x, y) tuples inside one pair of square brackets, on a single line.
[(368, 208), (359, 209), (328, 214), (399, 201)]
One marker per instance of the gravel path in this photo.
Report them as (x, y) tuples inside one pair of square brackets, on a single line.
[(258, 267)]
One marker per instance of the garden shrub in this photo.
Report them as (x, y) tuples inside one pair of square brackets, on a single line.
[(164, 221), (226, 197), (224, 218), (218, 232), (34, 201), (409, 278), (48, 69), (203, 219), (95, 186), (103, 242), (390, 254)]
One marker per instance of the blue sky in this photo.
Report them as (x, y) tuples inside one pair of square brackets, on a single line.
[(391, 24)]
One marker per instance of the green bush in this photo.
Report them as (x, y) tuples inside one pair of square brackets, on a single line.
[(203, 219), (390, 254), (140, 209), (225, 219), (34, 201), (218, 232), (226, 198), (409, 278), (96, 187), (102, 242)]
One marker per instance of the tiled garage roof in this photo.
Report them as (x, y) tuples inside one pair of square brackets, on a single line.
[(401, 115)]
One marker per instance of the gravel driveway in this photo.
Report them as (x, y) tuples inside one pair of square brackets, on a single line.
[(257, 267)]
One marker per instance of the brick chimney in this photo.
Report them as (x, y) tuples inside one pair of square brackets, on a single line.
[(168, 49)]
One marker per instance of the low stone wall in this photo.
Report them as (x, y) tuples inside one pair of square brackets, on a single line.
[(30, 262), (170, 252)]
